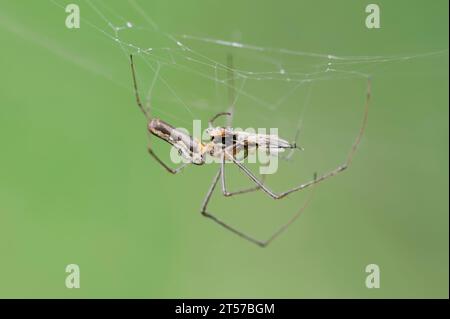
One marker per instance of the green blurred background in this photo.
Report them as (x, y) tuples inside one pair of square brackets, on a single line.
[(77, 186)]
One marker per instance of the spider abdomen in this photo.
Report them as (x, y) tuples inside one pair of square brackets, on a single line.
[(187, 146)]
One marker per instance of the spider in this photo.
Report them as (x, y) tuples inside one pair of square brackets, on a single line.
[(225, 145)]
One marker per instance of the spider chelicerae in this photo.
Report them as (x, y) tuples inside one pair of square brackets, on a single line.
[(225, 145)]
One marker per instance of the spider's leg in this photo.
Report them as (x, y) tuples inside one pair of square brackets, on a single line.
[(211, 121), (283, 194), (136, 91), (207, 214), (280, 230), (243, 191), (323, 177), (261, 243), (167, 168)]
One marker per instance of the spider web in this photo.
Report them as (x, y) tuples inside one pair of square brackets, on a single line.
[(266, 81), (184, 77)]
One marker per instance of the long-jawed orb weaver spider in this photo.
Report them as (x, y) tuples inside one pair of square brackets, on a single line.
[(195, 152)]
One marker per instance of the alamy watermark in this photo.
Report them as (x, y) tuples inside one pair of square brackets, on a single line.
[(73, 277), (73, 17), (373, 17), (373, 279)]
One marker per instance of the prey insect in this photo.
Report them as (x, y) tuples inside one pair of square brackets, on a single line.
[(229, 145)]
